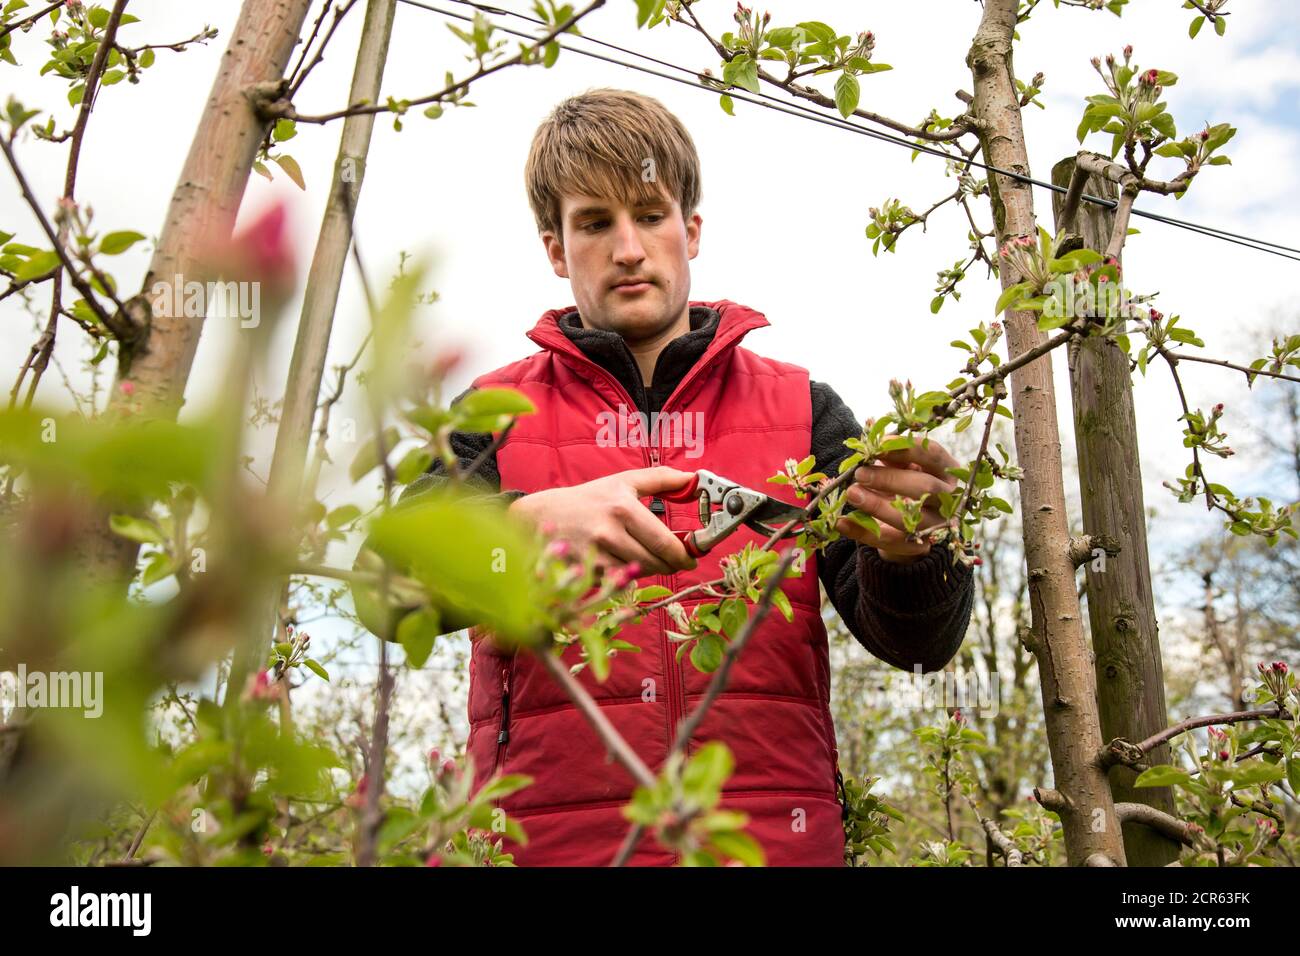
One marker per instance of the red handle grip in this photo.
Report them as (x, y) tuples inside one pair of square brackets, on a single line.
[(687, 538), (687, 492)]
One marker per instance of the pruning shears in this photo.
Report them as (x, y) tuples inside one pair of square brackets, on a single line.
[(738, 506)]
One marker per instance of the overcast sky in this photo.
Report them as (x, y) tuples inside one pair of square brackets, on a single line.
[(785, 201)]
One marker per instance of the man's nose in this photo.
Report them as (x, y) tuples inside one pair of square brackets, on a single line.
[(627, 243)]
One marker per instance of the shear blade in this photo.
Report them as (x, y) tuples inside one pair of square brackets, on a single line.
[(776, 513)]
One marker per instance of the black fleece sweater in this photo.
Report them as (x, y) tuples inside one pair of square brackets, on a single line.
[(904, 614)]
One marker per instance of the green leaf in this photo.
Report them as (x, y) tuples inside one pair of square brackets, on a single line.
[(848, 91), (742, 71), (782, 604), (368, 457), (739, 846), (935, 305), (646, 9), (415, 463), (1196, 27), (728, 105), (708, 770), (734, 614), (469, 554), (1012, 294), (285, 129), (115, 243), (36, 267), (1220, 25), (1162, 776), (135, 529), (98, 17), (417, 632), (1253, 773), (342, 515), (706, 654), (160, 566), (489, 409)]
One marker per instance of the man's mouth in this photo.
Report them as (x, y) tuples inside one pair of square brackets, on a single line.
[(632, 286)]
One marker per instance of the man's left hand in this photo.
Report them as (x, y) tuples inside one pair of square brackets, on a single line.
[(910, 472)]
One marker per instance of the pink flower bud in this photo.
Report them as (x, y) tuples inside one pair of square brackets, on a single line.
[(267, 849), (625, 575), (1218, 409), (127, 388), (1205, 134), (434, 859), (1096, 62), (449, 768), (957, 716), (1280, 667), (1128, 51), (357, 798), (445, 361), (434, 757), (261, 252), (559, 549), (1223, 755)]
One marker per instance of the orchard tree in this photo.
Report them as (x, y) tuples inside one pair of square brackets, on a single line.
[(84, 498)]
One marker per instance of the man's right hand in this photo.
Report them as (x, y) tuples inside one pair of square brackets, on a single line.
[(607, 513)]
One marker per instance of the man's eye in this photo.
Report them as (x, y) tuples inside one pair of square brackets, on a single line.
[(654, 216), (594, 225)]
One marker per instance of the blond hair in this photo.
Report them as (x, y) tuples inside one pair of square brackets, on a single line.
[(614, 144)]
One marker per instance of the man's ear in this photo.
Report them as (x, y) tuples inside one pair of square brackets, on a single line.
[(555, 252), (693, 227)]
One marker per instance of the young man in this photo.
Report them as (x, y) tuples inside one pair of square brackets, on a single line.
[(613, 180)]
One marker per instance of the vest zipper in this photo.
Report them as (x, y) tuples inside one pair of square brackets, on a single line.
[(503, 734), (676, 702)]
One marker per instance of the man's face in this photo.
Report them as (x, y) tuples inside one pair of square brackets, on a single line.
[(605, 243)]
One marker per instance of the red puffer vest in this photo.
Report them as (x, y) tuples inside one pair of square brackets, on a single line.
[(774, 714)]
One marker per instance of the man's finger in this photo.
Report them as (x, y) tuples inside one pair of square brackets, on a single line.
[(930, 456), (653, 535), (889, 537), (891, 480)]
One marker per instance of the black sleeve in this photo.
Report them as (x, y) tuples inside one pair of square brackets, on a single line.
[(904, 614), (467, 447)]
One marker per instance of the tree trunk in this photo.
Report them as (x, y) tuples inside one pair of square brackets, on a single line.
[(206, 199), (302, 388), (1056, 634), (1121, 609)]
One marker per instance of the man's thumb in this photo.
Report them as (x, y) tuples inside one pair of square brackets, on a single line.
[(652, 481)]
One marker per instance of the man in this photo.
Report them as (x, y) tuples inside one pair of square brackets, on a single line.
[(613, 180)]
